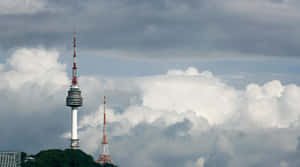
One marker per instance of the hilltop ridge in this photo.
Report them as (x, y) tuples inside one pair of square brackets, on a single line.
[(61, 158)]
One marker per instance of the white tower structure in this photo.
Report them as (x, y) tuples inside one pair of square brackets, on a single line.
[(74, 99)]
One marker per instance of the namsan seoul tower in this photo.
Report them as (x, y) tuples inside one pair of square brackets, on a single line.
[(104, 157), (74, 99)]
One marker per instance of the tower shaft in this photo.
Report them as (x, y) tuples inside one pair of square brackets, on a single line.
[(74, 133)]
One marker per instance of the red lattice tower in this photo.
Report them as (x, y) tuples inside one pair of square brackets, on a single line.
[(104, 155)]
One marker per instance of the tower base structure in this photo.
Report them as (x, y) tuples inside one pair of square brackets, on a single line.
[(74, 143), (105, 159)]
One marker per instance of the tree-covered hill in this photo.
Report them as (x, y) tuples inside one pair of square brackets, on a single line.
[(61, 158)]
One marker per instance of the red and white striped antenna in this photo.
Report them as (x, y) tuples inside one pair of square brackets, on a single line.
[(104, 141), (74, 74), (104, 157)]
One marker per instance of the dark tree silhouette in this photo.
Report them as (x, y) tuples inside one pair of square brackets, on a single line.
[(62, 158)]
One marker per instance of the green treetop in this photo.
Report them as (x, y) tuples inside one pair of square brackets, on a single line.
[(62, 158)]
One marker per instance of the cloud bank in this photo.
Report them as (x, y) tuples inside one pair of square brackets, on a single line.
[(201, 97), (156, 29), (185, 113), (181, 118)]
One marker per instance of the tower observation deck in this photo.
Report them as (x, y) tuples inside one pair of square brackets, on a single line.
[(74, 99)]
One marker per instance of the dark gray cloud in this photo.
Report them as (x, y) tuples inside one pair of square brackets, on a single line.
[(31, 132), (161, 28)]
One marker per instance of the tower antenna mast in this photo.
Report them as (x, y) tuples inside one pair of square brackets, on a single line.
[(104, 157)]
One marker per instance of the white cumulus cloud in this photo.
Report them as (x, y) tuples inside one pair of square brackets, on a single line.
[(34, 66), (33, 76), (181, 118), (203, 99), (21, 6)]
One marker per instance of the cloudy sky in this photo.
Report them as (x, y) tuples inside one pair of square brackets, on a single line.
[(194, 83)]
